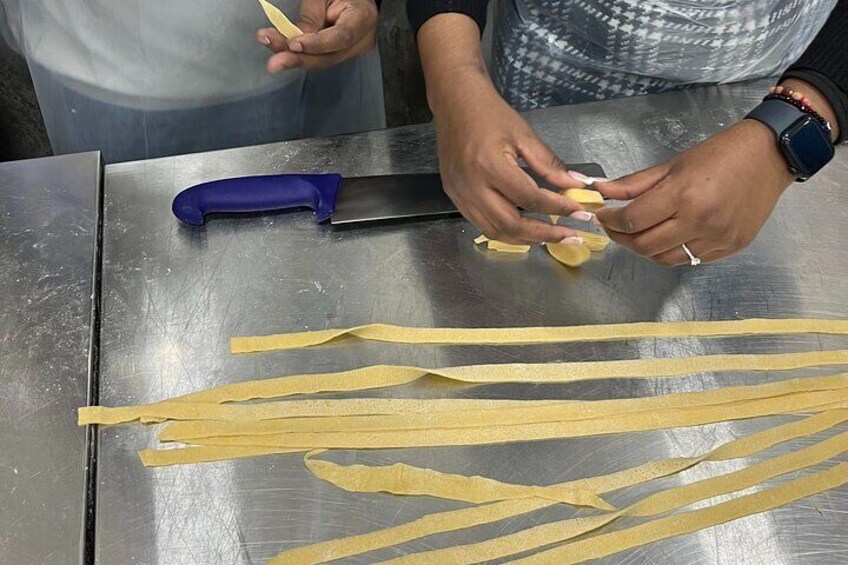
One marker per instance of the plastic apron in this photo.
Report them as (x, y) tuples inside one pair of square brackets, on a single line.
[(138, 80), (553, 52)]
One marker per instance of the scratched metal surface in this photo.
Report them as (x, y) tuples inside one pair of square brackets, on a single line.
[(173, 296), (47, 228)]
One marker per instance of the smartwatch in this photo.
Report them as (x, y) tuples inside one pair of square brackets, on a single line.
[(803, 137)]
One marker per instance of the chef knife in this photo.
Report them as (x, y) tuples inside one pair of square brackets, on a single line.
[(329, 195)]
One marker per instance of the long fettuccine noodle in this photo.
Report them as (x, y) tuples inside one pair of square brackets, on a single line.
[(185, 456), (404, 479), (380, 376), (214, 430), (687, 522), (657, 503), (643, 421), (443, 522), (408, 480), (519, 336), (210, 411), (508, 415)]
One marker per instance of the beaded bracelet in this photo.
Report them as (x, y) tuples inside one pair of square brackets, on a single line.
[(792, 93), (801, 105)]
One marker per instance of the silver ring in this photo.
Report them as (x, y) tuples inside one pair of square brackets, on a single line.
[(694, 261)]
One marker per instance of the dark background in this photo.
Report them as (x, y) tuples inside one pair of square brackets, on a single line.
[(22, 134)]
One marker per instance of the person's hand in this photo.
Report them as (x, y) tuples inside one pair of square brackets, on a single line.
[(481, 139), (333, 32), (714, 198)]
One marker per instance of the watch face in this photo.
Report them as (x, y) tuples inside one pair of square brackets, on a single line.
[(807, 145)]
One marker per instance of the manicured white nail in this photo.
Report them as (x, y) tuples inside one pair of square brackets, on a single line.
[(580, 177), (573, 240), (582, 216), (266, 40), (588, 181)]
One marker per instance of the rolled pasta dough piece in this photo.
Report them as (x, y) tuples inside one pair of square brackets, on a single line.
[(279, 20)]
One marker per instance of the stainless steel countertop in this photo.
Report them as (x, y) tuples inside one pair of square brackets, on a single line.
[(174, 295), (47, 229)]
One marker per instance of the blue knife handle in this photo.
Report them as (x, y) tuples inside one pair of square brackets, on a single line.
[(259, 194)]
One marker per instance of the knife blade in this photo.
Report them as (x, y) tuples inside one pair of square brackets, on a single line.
[(331, 197)]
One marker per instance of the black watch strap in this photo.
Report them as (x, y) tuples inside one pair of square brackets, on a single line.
[(776, 114)]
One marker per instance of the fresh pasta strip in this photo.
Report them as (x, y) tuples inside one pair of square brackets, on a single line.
[(366, 378), (652, 505), (518, 336), (401, 479), (495, 245), (189, 455), (436, 437), (202, 411), (501, 416), (688, 522), (503, 247), (453, 520), (379, 376), (408, 480), (279, 20)]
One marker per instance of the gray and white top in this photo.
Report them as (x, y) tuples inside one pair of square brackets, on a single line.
[(551, 52)]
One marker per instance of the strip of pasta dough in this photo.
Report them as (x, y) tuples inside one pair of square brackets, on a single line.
[(408, 480), (688, 522), (501, 416), (453, 520), (402, 479), (189, 455), (652, 505), (518, 336), (198, 411), (379, 376), (436, 437), (279, 20)]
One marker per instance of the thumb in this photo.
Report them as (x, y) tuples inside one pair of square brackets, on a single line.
[(313, 15), (545, 163), (631, 186)]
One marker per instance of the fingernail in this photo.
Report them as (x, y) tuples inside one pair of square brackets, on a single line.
[(296, 47), (582, 216), (589, 181), (580, 177), (266, 40), (573, 240)]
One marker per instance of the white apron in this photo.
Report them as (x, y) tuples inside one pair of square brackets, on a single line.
[(138, 80)]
